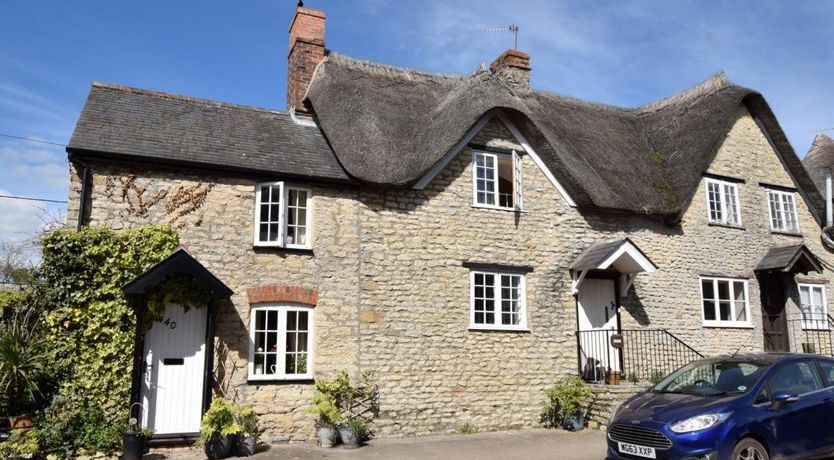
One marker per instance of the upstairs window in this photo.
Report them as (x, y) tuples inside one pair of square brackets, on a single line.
[(724, 302), (782, 212), (497, 180), (282, 216), (722, 202), (813, 306), (497, 301)]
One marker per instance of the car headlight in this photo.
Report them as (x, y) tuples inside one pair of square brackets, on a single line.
[(699, 422)]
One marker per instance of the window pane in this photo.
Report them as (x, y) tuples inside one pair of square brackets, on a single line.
[(276, 194), (260, 320), (708, 289), (723, 290), (302, 341), (709, 310), (817, 296), (797, 377), (272, 320), (490, 318), (259, 363), (741, 311), (265, 194), (289, 367), (263, 234), (271, 342), (292, 320), (724, 308), (291, 345), (260, 338), (804, 296), (271, 359), (730, 203), (301, 363), (301, 235), (264, 217), (302, 321), (479, 317), (714, 198), (738, 290)]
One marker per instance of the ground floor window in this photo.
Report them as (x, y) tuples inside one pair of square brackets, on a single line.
[(813, 306), (724, 302), (280, 342), (497, 301)]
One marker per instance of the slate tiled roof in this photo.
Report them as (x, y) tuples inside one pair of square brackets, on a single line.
[(794, 258), (389, 126), (133, 123)]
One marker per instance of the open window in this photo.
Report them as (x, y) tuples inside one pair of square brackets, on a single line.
[(497, 180)]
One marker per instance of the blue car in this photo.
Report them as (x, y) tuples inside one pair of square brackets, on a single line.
[(738, 407)]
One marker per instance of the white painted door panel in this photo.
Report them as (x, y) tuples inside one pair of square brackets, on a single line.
[(598, 313), (172, 385)]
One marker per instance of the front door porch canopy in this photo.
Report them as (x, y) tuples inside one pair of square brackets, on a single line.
[(180, 261), (790, 259), (621, 256)]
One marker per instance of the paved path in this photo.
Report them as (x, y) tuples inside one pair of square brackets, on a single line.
[(538, 444)]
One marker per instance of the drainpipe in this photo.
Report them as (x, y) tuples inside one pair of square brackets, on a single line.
[(829, 213), (82, 206)]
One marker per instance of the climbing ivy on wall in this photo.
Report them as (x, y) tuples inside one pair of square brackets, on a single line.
[(90, 326)]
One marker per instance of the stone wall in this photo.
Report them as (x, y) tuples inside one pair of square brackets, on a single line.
[(606, 400), (393, 293)]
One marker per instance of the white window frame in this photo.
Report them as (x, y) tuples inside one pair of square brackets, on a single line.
[(517, 192), (719, 322), (282, 222), (782, 200), (282, 310), (522, 300), (723, 204), (813, 324)]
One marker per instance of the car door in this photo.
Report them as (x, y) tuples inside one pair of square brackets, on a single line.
[(801, 426), (826, 367)]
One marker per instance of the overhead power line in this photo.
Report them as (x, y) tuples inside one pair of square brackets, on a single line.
[(12, 197), (32, 140)]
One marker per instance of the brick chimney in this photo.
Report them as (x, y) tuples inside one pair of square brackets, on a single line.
[(513, 67), (306, 52)]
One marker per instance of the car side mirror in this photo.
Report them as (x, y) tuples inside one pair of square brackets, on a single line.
[(780, 399)]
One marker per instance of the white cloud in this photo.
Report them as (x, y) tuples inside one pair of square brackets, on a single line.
[(21, 220)]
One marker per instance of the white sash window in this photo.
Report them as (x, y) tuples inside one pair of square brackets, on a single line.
[(722, 202), (496, 180), (282, 215)]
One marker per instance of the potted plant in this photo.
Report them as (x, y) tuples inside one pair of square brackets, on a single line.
[(327, 417), (353, 432), (133, 440), (217, 429), (247, 440), (20, 445), (566, 402), (23, 360), (612, 377)]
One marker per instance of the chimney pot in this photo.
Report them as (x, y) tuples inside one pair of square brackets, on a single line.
[(513, 67), (306, 52)]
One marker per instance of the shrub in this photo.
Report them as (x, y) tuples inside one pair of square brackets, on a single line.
[(20, 445), (569, 396), (218, 420), (335, 399)]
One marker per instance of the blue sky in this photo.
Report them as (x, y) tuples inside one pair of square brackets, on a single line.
[(625, 53)]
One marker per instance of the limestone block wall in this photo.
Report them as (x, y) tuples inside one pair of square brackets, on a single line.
[(214, 216)]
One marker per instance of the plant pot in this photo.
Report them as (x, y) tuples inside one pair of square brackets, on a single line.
[(612, 378), (350, 438), (219, 447), (573, 422), (23, 422), (133, 446), (246, 446), (328, 436)]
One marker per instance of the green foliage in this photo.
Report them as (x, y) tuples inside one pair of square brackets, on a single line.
[(359, 427), (20, 445), (177, 288), (335, 398), (90, 326), (24, 357), (656, 377), (248, 421), (218, 421), (325, 410), (467, 428), (633, 378), (569, 396)]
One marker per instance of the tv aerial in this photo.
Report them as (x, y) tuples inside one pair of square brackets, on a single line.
[(510, 28)]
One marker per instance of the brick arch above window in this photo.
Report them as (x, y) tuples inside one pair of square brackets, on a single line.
[(282, 293)]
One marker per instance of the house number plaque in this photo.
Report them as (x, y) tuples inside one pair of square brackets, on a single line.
[(169, 323)]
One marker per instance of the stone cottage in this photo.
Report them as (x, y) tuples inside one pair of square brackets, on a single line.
[(467, 238)]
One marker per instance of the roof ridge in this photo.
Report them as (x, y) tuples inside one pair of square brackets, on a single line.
[(391, 70), (603, 105), (180, 97), (715, 82)]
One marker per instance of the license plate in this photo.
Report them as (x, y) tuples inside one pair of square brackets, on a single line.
[(634, 449)]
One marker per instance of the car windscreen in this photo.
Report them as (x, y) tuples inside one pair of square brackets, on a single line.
[(713, 378)]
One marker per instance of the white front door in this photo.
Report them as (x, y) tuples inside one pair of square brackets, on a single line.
[(598, 318), (172, 383)]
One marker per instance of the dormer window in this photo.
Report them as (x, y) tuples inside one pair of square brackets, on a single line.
[(722, 203), (782, 211), (282, 215), (497, 180)]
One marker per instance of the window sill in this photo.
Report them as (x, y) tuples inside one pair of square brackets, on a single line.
[(266, 247), (728, 326), (263, 380), (480, 328), (719, 224), (498, 208), (786, 233)]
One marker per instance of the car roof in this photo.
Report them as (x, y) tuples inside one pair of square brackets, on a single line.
[(766, 357)]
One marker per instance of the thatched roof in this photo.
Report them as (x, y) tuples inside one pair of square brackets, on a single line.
[(820, 160), (389, 125), (137, 124)]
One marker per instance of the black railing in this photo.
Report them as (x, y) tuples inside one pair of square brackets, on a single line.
[(812, 335), (646, 354)]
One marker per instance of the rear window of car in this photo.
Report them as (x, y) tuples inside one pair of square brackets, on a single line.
[(827, 368)]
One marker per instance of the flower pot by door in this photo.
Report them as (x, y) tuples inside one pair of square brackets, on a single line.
[(23, 422), (573, 422), (612, 378), (133, 446), (220, 447), (246, 446), (328, 436), (350, 438)]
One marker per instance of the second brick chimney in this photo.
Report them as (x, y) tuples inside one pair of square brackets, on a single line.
[(306, 52), (513, 67)]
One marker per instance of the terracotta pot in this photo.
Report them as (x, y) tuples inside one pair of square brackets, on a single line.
[(612, 378), (23, 422)]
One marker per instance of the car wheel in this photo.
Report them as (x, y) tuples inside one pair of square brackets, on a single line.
[(749, 449)]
